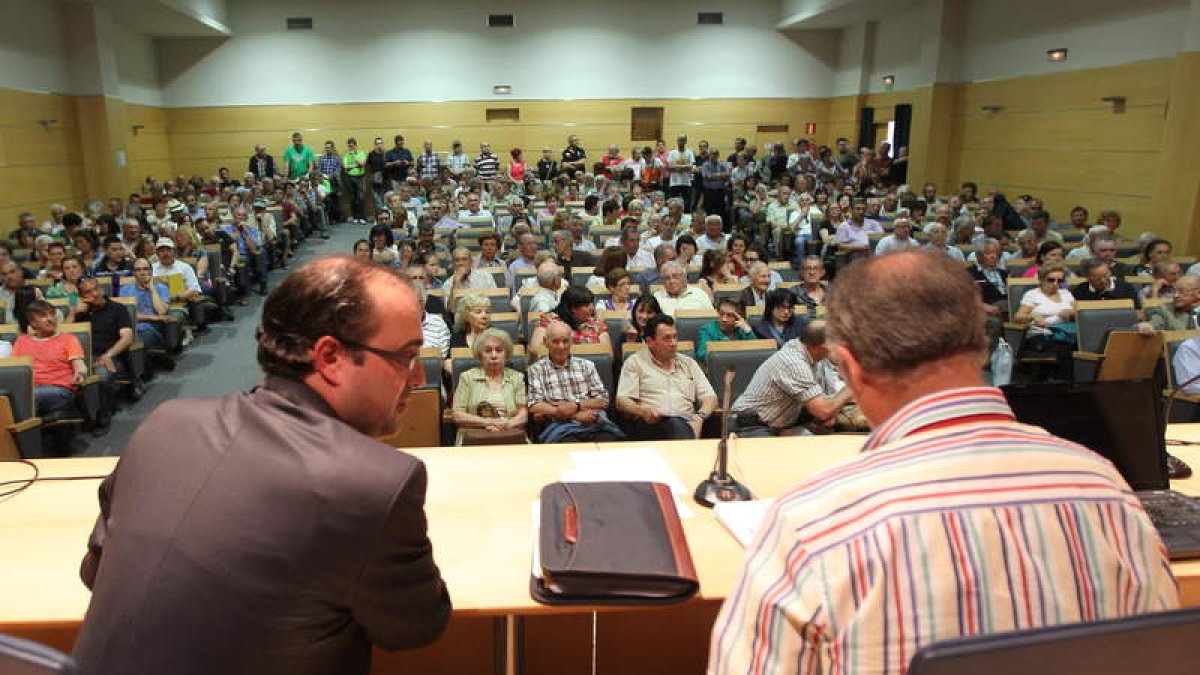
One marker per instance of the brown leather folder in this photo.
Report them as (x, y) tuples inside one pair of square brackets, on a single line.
[(618, 543)]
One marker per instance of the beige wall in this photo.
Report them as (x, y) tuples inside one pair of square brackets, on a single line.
[(1052, 136), (202, 139)]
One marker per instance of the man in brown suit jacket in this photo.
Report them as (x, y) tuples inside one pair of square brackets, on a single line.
[(267, 532)]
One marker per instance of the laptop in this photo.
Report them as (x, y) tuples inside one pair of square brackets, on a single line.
[(1123, 422), (1160, 644)]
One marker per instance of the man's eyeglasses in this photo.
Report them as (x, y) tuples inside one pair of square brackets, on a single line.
[(1054, 280), (404, 359)]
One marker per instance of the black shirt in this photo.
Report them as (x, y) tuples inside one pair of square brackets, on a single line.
[(107, 323), (1121, 290)]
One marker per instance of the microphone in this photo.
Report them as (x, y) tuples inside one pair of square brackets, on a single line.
[(720, 486)]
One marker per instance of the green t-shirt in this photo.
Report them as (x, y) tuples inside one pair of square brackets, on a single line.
[(298, 161), (350, 159)]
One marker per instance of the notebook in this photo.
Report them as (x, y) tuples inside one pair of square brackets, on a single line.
[(1122, 421)]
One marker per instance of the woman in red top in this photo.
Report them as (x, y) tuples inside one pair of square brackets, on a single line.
[(577, 308), (516, 168)]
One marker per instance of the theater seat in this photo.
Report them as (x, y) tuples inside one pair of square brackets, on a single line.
[(462, 360), (689, 321), (1095, 319), (1186, 407), (16, 386), (602, 357), (745, 356)]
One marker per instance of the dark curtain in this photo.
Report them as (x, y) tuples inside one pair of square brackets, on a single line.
[(866, 130), (903, 121)]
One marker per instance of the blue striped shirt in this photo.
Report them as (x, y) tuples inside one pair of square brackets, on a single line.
[(958, 521)]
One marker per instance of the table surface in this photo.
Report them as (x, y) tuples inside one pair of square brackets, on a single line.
[(479, 508)]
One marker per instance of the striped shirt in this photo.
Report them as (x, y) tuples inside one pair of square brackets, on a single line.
[(575, 381), (781, 386), (958, 521), (487, 166)]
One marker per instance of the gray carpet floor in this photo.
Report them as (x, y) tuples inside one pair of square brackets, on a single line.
[(218, 363)]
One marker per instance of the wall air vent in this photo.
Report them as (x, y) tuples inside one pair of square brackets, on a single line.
[(300, 23), (710, 18), (500, 20)]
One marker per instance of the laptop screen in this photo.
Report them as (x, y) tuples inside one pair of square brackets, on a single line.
[(1120, 420)]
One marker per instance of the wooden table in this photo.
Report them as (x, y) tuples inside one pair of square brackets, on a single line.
[(478, 505)]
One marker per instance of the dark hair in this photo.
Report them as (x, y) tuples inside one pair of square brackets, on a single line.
[(612, 258), (26, 304), (1046, 247), (813, 334), (71, 219), (1093, 263), (1039, 215), (680, 241), (647, 299), (732, 301), (654, 322), (590, 201), (360, 241), (329, 296), (711, 261), (777, 298), (489, 235), (573, 298), (111, 239), (610, 207), (1150, 247), (388, 237), (931, 302)]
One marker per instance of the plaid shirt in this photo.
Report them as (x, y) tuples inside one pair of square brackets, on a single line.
[(330, 165), (428, 165), (576, 381)]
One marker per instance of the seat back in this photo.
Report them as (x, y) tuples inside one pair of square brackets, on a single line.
[(616, 320), (1017, 288), (431, 363), (499, 275), (509, 322), (82, 332), (497, 297), (580, 276), (421, 426), (1095, 318), (462, 360), (1128, 355), (16, 380), (9, 332), (723, 291), (602, 357), (130, 305), (685, 347), (784, 269), (745, 356), (1017, 266), (1162, 643), (689, 321)]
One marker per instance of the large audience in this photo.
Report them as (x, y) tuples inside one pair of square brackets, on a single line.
[(520, 262)]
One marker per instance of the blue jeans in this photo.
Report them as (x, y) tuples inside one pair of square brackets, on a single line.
[(150, 336), (354, 188), (801, 247), (52, 398)]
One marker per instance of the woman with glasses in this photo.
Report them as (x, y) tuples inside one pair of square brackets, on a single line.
[(779, 322), (1048, 312)]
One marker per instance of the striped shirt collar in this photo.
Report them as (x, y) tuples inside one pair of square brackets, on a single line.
[(940, 408)]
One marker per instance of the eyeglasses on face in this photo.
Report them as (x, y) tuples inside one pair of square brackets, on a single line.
[(404, 359), (1054, 280)]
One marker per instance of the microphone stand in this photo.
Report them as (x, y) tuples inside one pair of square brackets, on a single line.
[(720, 486)]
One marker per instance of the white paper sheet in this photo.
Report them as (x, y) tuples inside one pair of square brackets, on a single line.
[(597, 466), (743, 519)]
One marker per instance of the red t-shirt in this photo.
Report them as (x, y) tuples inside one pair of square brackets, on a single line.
[(51, 358)]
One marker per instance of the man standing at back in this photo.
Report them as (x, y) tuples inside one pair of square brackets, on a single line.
[(272, 534), (955, 521), (298, 158)]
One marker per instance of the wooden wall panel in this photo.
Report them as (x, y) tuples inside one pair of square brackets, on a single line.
[(39, 165), (1055, 138), (201, 139), (843, 120)]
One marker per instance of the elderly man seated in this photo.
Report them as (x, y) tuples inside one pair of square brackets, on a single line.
[(676, 293), (663, 394), (899, 240), (992, 282), (786, 394), (566, 392), (1102, 285), (549, 285), (1180, 313), (1186, 364)]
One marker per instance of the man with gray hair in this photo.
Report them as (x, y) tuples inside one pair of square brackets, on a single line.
[(676, 293), (549, 281), (785, 394), (939, 242), (563, 242), (947, 479), (714, 237), (899, 240)]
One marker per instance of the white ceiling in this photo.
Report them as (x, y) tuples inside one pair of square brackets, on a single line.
[(827, 14)]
